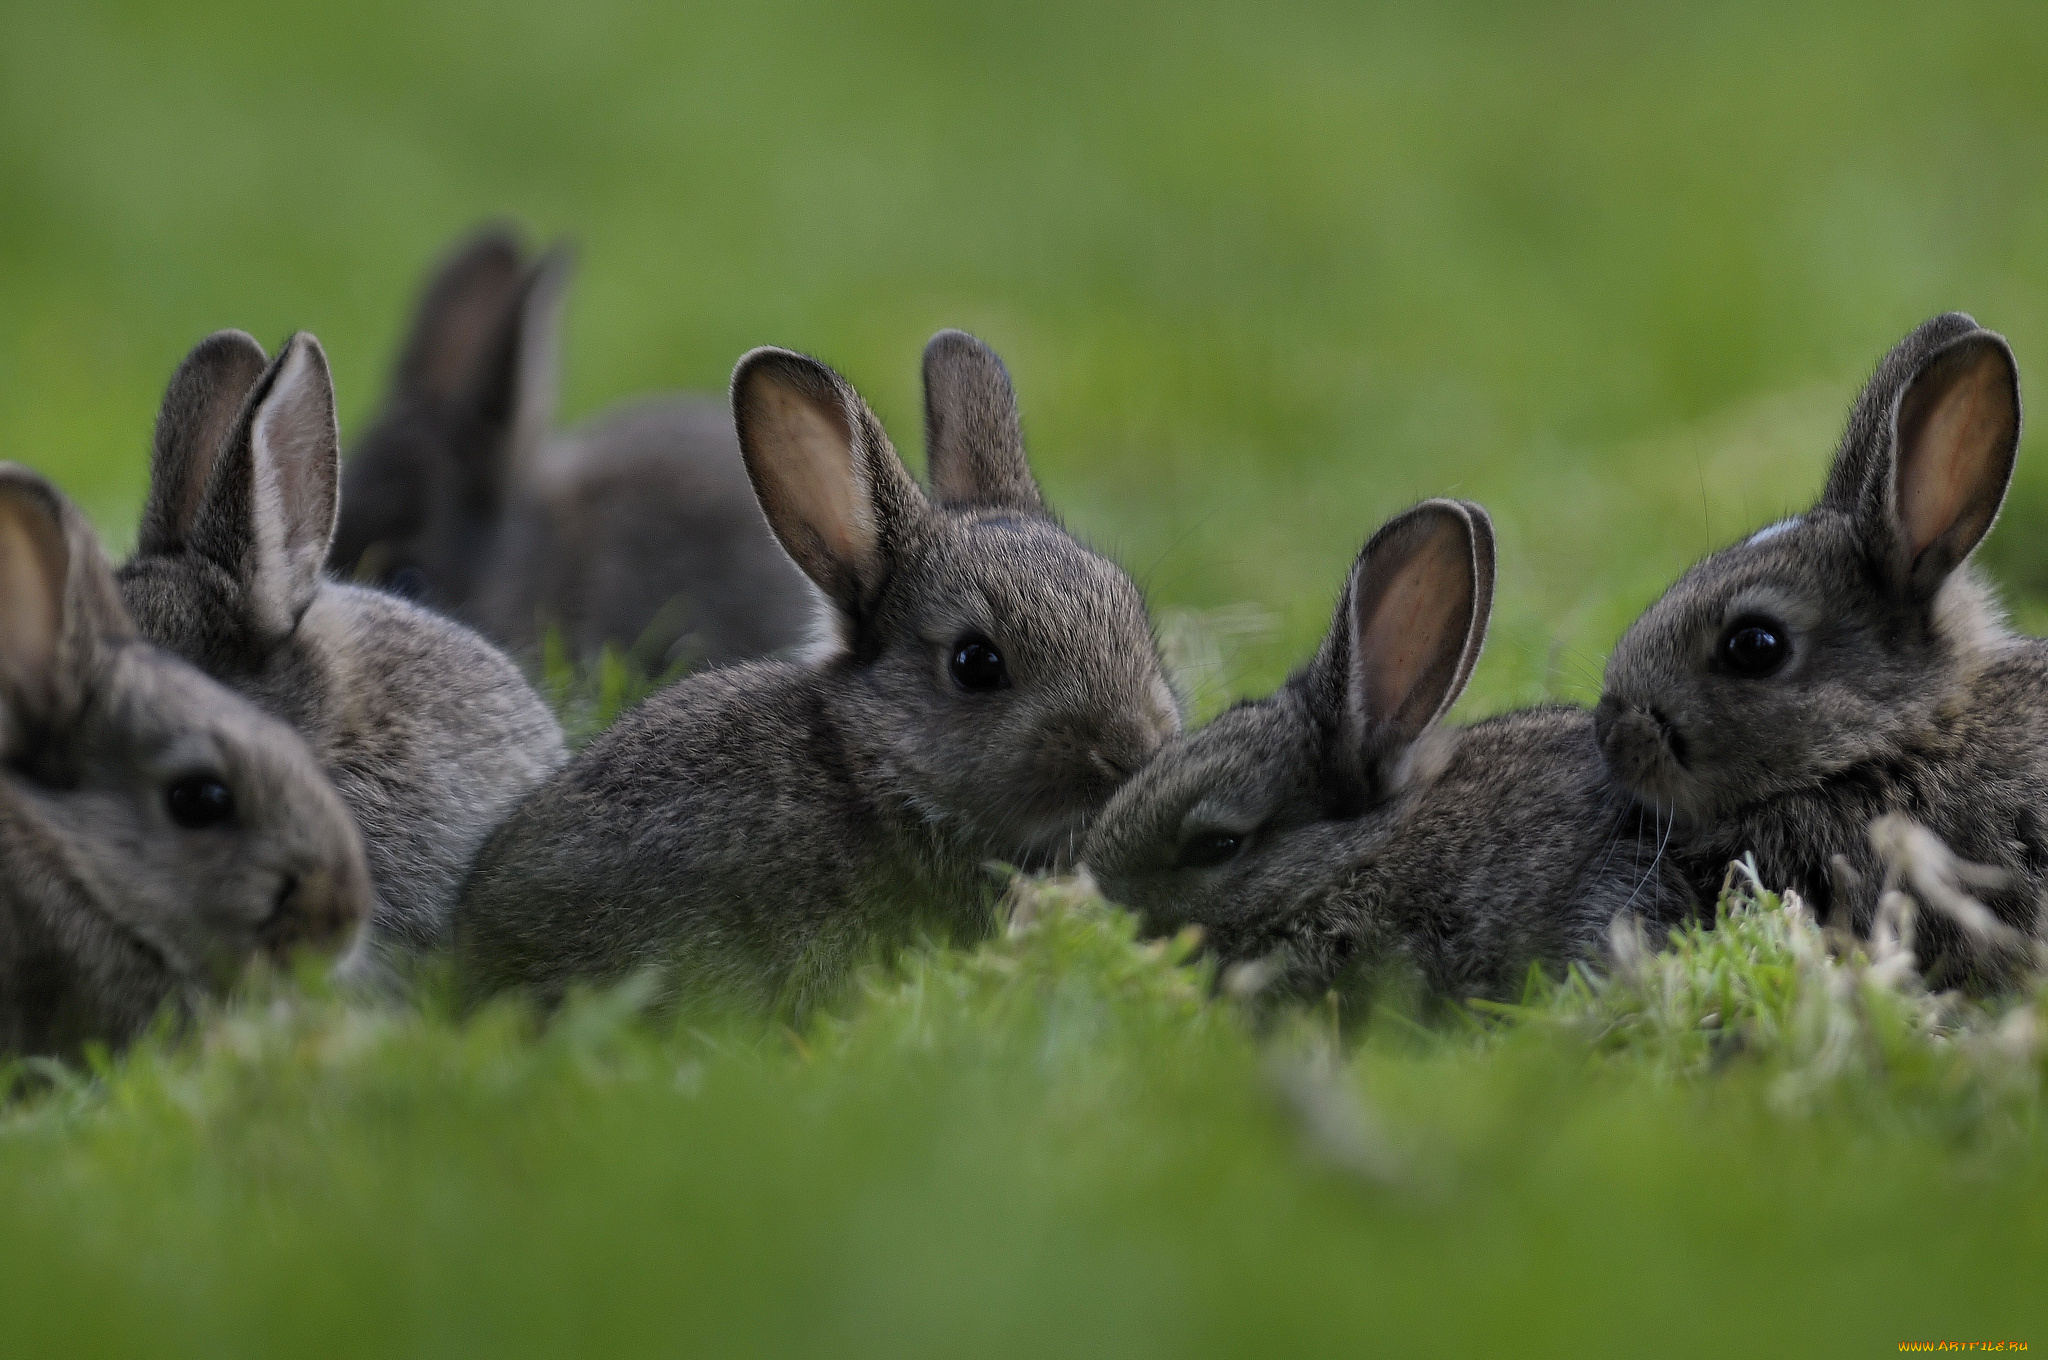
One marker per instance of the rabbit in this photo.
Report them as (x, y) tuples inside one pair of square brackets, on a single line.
[(157, 831), (983, 684), (638, 530), (429, 733), (1850, 662), (1335, 835)]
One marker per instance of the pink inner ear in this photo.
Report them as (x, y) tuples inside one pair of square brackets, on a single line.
[(1952, 463), (32, 570), (804, 464), (1417, 626)]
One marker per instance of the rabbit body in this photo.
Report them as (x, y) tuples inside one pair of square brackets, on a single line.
[(728, 827), (1333, 829), (985, 685), (156, 829), (637, 530), (429, 733), (1849, 662)]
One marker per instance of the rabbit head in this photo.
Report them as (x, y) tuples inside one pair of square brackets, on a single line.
[(1250, 825), (1833, 638), (1002, 678), (157, 830), (472, 398)]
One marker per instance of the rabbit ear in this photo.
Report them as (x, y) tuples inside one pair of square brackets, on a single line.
[(58, 603), (1864, 457), (460, 314), (1955, 432), (1929, 450), (1409, 630), (512, 390), (197, 416), (973, 440), (269, 510), (828, 480)]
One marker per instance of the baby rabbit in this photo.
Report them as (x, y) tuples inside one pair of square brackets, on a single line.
[(987, 682), (428, 732), (1333, 830), (156, 830), (1849, 662), (637, 530)]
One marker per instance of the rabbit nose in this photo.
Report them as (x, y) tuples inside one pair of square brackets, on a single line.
[(319, 909), (1116, 754), (1635, 741)]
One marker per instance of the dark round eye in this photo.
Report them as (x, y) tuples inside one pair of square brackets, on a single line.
[(1755, 647), (198, 801), (408, 583), (977, 665), (1209, 849)]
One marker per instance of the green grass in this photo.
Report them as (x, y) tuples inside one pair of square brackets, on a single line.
[(1263, 274)]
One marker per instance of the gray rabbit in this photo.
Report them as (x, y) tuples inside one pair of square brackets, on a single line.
[(429, 733), (638, 529), (156, 830), (1849, 662), (985, 684), (1333, 831)]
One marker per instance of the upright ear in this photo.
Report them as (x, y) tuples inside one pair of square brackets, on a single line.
[(830, 485), (268, 514), (1955, 434), (459, 315), (974, 442), (513, 386), (58, 603), (198, 414), (1409, 629)]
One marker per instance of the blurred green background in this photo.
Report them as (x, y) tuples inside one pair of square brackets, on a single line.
[(1263, 273)]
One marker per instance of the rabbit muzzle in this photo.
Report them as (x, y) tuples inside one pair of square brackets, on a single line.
[(1644, 751)]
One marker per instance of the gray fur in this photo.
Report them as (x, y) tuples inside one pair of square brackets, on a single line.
[(1904, 691), (761, 827), (1369, 840), (109, 909), (637, 529), (429, 733)]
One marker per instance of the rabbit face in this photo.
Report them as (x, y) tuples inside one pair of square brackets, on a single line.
[(1231, 829), (1769, 667), (1011, 659), (232, 842), (1832, 640), (156, 829)]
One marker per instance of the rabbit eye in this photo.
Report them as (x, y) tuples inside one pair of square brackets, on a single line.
[(198, 801), (977, 665), (1209, 849), (1755, 647)]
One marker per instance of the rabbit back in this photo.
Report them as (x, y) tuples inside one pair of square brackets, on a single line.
[(640, 531), (721, 830)]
